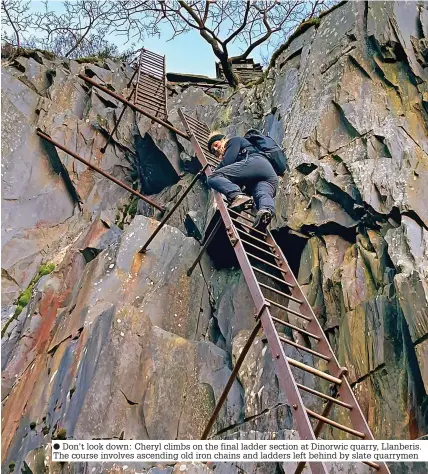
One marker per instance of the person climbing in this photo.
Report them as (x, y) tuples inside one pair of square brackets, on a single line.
[(243, 165)]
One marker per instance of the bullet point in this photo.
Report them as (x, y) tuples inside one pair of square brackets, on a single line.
[(56, 446)]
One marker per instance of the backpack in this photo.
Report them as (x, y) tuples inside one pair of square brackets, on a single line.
[(270, 149)]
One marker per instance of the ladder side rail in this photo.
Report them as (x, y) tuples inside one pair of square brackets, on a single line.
[(165, 87), (138, 76)]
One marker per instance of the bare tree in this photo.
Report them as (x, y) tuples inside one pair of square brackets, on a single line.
[(83, 25), (222, 23), (16, 15)]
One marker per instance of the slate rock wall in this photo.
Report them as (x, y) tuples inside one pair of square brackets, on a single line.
[(118, 344)]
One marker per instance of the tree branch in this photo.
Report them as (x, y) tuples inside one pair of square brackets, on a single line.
[(241, 28), (12, 24)]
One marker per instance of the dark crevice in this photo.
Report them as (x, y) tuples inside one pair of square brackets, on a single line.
[(76, 336), (108, 103), (332, 62), (331, 228), (358, 66), (353, 133), (89, 253), (130, 402), (292, 247), (220, 249), (248, 419), (59, 168), (395, 215), (154, 170), (50, 76), (412, 214), (289, 58), (369, 374)]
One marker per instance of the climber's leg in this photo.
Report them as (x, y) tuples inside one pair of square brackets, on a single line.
[(227, 180)]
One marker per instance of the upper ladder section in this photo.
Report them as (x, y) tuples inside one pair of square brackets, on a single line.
[(273, 285), (150, 91)]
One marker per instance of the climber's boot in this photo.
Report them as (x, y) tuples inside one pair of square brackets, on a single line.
[(263, 218), (241, 202)]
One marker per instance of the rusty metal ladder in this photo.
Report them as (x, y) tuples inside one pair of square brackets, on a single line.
[(256, 249), (150, 100), (149, 91)]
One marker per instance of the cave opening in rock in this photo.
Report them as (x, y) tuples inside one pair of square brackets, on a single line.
[(292, 246), (220, 250), (154, 169)]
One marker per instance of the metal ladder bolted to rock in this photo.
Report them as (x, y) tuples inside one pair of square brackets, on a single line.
[(255, 249)]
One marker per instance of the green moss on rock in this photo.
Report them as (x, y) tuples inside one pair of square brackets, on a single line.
[(60, 434), (25, 297)]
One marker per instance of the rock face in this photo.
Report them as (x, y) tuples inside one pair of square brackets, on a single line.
[(117, 344)]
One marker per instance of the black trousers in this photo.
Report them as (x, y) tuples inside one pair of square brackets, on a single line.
[(255, 173)]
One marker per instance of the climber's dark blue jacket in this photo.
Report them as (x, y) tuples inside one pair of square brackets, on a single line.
[(235, 151)]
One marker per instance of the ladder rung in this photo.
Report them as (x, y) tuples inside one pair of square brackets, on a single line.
[(255, 238), (311, 413), (292, 298), (148, 86), (258, 248), (149, 80), (266, 263), (323, 395), (296, 328), (158, 99), (151, 107), (313, 371), (307, 318), (205, 149), (209, 157), (151, 71), (202, 136), (290, 285), (243, 217), (211, 163), (156, 62), (249, 213), (247, 226), (146, 98), (146, 52), (197, 126), (303, 348)]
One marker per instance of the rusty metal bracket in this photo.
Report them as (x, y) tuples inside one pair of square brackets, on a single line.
[(265, 305), (233, 237), (232, 378), (99, 170), (204, 247), (171, 212), (116, 125), (133, 106)]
